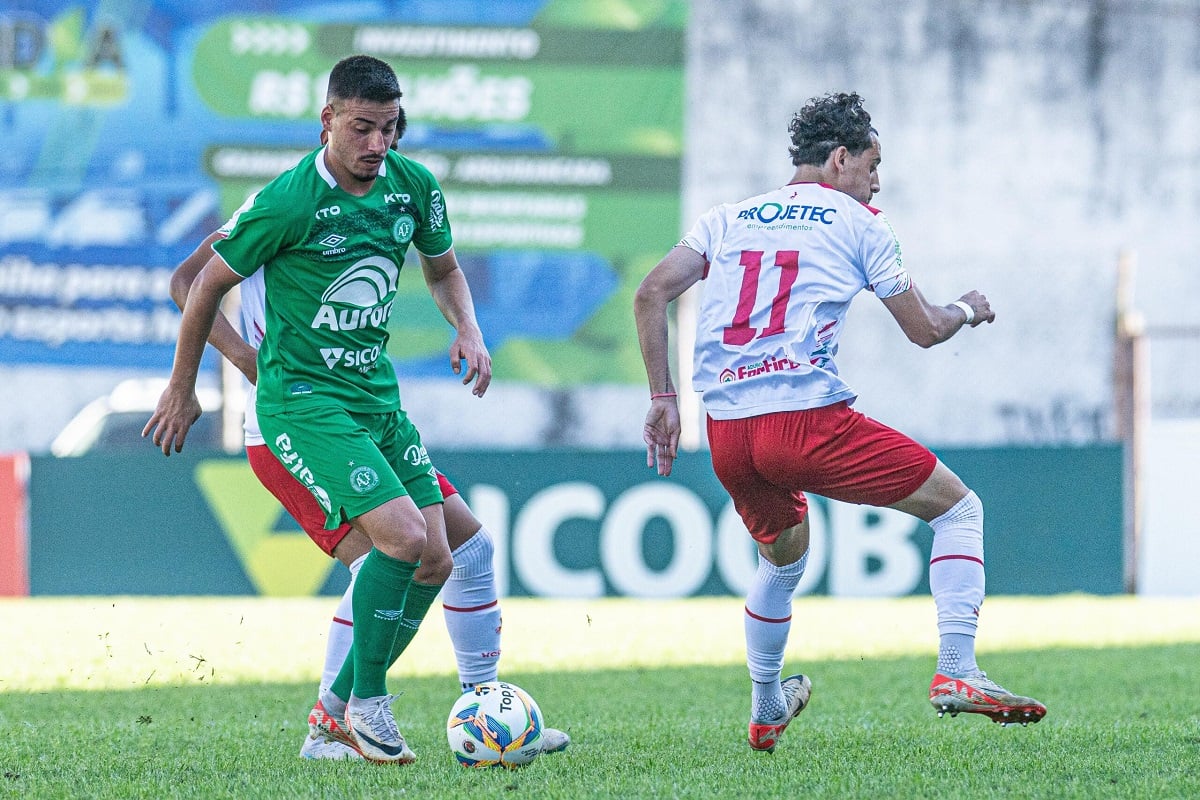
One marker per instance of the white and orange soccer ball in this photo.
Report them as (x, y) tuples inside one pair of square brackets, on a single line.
[(495, 724)]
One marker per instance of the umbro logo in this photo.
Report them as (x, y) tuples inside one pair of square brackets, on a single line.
[(332, 240)]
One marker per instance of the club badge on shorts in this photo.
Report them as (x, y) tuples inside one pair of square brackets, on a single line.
[(364, 479)]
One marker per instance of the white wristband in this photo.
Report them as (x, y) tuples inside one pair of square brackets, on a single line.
[(970, 312)]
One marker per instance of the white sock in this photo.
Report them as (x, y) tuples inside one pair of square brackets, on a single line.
[(472, 610), (768, 620), (956, 580), (341, 633)]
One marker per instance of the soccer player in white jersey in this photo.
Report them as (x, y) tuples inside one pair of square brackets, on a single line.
[(779, 272), (469, 598)]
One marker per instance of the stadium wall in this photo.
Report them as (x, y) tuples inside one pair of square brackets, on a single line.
[(1024, 145), (567, 524), (1168, 561)]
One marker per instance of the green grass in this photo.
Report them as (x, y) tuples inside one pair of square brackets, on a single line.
[(206, 698)]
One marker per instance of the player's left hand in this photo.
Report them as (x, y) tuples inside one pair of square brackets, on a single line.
[(468, 348), (980, 305), (661, 434)]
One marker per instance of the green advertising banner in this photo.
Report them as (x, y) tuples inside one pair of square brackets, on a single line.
[(566, 524), (558, 145)]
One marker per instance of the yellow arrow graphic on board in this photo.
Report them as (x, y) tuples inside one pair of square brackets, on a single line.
[(278, 564)]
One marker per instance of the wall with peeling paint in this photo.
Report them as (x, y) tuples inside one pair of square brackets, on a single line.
[(1025, 144)]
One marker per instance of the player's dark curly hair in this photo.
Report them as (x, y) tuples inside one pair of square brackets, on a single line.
[(366, 78), (827, 122)]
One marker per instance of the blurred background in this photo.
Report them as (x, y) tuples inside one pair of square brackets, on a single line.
[(1041, 151)]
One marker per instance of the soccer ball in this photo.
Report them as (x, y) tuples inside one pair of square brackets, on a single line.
[(495, 724)]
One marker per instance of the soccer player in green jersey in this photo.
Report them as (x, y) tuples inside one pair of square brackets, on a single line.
[(331, 235)]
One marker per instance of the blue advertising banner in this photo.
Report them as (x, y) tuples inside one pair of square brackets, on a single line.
[(134, 128)]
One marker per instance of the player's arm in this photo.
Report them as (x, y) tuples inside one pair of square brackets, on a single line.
[(178, 408), (926, 324), (223, 337), (450, 291), (680, 268)]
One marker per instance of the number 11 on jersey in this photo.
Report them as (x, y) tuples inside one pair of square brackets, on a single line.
[(739, 331)]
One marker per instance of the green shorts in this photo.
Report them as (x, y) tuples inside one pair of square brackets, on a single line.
[(352, 462)]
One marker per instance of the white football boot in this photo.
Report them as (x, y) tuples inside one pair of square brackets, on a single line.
[(977, 694), (374, 730), (796, 692), (554, 740)]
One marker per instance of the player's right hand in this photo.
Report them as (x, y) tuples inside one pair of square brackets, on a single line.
[(174, 416)]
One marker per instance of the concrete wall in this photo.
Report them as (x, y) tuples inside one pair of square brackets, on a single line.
[(1168, 561), (1025, 145)]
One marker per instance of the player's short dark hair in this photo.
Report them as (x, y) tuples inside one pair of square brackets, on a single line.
[(401, 127), (363, 78), (827, 122)]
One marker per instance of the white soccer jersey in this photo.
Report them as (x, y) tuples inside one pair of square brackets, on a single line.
[(782, 269), (254, 315)]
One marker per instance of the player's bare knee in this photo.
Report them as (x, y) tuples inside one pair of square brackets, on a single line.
[(789, 547), (940, 492), (353, 546), (404, 542), (434, 570), (967, 511)]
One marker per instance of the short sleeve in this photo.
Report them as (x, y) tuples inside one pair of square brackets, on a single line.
[(433, 238), (706, 235), (259, 231), (882, 260), (224, 230)]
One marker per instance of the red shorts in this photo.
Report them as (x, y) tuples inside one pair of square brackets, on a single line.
[(299, 502), (768, 462)]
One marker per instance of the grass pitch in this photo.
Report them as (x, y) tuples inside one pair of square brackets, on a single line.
[(206, 698)]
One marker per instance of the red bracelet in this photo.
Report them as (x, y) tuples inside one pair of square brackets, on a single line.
[(656, 395)]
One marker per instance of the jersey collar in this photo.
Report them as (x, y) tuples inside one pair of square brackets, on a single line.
[(323, 169)]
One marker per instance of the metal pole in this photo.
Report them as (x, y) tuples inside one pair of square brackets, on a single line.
[(1130, 387)]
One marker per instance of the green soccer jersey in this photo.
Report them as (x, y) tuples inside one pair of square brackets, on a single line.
[(331, 262)]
